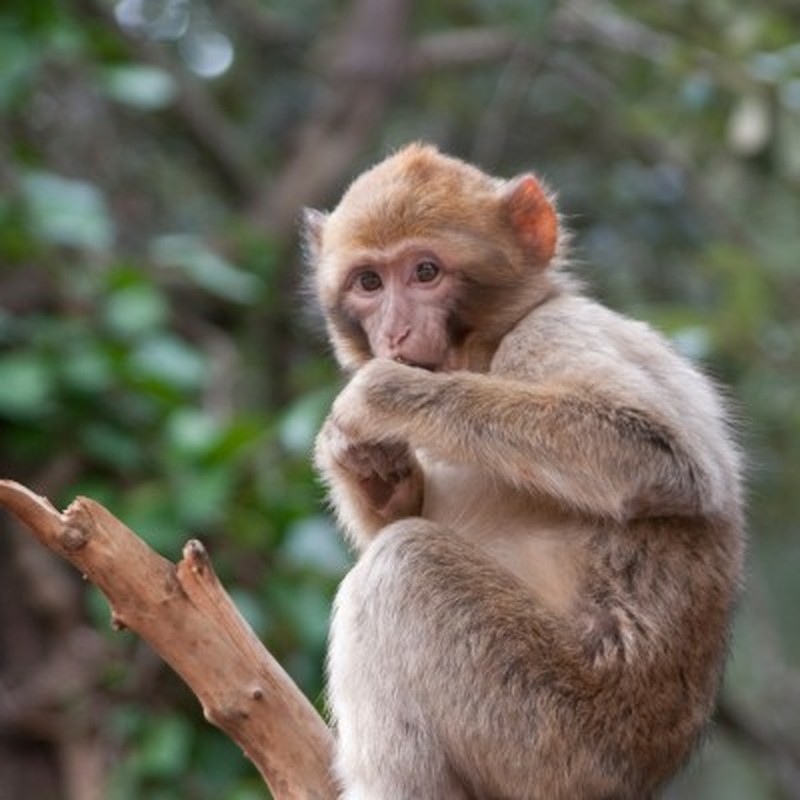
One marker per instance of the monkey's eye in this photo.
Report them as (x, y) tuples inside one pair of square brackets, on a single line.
[(369, 281), (426, 271)]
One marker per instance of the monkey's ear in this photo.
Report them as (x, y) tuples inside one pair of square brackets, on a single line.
[(311, 229), (532, 217)]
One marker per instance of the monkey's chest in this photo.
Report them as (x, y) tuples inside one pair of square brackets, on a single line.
[(465, 498), (523, 534)]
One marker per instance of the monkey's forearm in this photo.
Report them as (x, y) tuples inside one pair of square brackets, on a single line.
[(593, 452)]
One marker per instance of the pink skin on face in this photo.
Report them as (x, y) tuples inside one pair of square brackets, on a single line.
[(402, 305)]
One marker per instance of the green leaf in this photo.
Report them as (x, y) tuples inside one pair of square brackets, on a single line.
[(240, 434), (135, 310), (202, 495), (86, 367), (164, 751), (140, 86), (18, 62), (307, 608), (110, 445), (8, 326), (169, 361), (26, 386), (250, 608), (313, 543), (192, 432), (197, 261), (67, 212), (299, 425)]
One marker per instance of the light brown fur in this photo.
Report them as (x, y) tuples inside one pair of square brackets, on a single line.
[(549, 514)]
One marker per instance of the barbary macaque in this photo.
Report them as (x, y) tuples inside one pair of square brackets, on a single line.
[(545, 497)]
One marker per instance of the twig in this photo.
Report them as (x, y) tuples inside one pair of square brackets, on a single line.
[(464, 47), (365, 66), (186, 616), (523, 65), (261, 24), (778, 753)]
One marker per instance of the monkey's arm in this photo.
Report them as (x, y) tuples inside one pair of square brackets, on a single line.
[(591, 450), (371, 483)]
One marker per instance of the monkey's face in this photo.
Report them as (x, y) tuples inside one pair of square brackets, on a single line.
[(428, 261), (402, 302), (411, 298)]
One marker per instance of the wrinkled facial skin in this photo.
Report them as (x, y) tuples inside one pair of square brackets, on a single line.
[(402, 303)]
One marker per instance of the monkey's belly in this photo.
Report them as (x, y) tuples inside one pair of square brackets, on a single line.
[(535, 543)]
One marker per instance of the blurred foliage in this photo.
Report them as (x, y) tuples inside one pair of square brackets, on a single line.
[(153, 353)]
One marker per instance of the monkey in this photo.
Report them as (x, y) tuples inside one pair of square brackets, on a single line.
[(545, 498)]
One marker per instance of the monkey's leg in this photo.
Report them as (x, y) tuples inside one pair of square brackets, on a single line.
[(447, 680), (386, 747)]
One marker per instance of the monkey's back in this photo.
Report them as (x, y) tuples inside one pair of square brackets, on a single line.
[(643, 599)]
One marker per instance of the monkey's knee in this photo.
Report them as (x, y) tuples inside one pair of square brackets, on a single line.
[(396, 608), (405, 537), (383, 602), (375, 590), (401, 543), (386, 747)]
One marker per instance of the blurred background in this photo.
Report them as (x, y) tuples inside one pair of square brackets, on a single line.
[(156, 352)]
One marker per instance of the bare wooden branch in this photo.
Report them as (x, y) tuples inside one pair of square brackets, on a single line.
[(362, 70), (183, 612), (462, 47), (257, 20)]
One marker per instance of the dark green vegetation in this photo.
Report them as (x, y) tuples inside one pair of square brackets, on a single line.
[(155, 354)]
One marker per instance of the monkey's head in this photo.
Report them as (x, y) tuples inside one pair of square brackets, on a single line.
[(429, 261)]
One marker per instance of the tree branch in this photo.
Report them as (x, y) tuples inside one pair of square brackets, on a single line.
[(367, 62), (462, 47), (779, 753), (183, 612)]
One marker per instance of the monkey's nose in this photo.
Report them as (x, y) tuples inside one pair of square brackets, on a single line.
[(397, 338)]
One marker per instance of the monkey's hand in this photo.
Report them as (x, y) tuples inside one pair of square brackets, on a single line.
[(366, 409), (372, 482)]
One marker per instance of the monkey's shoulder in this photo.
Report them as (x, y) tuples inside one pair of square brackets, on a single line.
[(577, 341), (582, 347), (573, 331)]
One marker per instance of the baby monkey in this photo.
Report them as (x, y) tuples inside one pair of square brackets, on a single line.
[(545, 498)]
